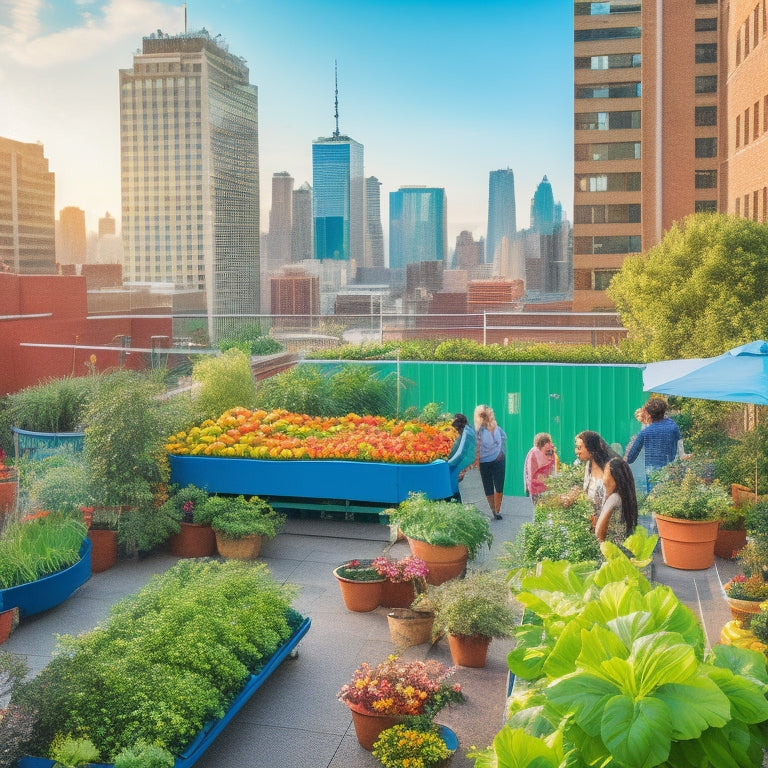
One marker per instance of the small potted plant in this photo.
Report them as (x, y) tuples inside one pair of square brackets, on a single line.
[(412, 625), (731, 533), (360, 584), (444, 534), (103, 533), (419, 744), (745, 593), (404, 578), (241, 524), (382, 696), (472, 611), (195, 537)]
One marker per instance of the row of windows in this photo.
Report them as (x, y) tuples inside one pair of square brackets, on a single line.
[(607, 214), (599, 9), (606, 121), (606, 33), (619, 150), (608, 182), (168, 67), (749, 33), (609, 61), (752, 126), (606, 244), (752, 211), (609, 91)]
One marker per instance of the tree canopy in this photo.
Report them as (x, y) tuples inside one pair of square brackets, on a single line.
[(701, 291)]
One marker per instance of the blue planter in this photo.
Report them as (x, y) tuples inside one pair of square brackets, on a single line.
[(207, 736), (37, 596), (363, 481)]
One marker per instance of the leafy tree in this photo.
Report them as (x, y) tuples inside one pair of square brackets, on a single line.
[(702, 290)]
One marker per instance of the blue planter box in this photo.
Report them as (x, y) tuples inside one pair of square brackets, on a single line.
[(208, 735), (37, 596), (361, 481)]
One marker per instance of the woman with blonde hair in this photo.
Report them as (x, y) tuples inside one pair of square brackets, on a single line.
[(491, 457)]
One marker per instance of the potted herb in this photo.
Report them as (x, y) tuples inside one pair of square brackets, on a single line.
[(195, 537), (360, 584), (687, 515), (381, 696), (444, 534), (404, 578), (241, 524), (426, 745), (472, 611)]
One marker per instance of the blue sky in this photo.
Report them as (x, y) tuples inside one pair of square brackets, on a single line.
[(439, 93)]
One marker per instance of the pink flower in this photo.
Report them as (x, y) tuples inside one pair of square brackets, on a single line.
[(406, 569)]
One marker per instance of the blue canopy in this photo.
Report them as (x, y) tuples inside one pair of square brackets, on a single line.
[(739, 375)]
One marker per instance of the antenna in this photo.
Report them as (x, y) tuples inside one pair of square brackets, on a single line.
[(185, 18), (336, 84)]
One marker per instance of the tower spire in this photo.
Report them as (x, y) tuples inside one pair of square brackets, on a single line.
[(336, 92)]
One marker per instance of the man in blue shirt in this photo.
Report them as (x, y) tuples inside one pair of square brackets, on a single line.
[(661, 438)]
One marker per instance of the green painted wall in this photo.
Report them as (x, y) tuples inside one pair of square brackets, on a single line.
[(562, 399)]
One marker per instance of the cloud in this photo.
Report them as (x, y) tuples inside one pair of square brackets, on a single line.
[(116, 23)]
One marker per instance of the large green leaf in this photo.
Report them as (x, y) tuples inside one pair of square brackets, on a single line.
[(514, 748), (558, 576), (527, 663), (695, 706), (562, 659), (584, 695), (616, 599), (746, 697), (637, 732), (741, 661), (599, 644), (633, 626), (671, 615), (661, 658), (620, 570)]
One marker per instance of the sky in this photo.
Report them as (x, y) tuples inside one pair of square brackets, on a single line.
[(439, 92)]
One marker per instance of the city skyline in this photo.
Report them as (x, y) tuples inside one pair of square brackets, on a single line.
[(432, 90)]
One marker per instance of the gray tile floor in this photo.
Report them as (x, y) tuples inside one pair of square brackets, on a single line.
[(294, 720)]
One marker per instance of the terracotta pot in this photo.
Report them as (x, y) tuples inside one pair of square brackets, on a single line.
[(469, 650), (193, 540), (397, 594), (744, 610), (407, 627), (87, 513), (742, 495), (688, 545), (103, 549), (368, 726), (246, 548), (359, 596), (8, 490), (6, 624), (444, 563), (728, 543)]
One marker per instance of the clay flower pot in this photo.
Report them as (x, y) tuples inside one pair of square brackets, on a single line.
[(687, 544), (368, 725), (359, 596), (444, 563), (407, 627), (397, 594), (729, 542), (193, 540), (469, 650), (744, 610), (103, 549), (245, 548)]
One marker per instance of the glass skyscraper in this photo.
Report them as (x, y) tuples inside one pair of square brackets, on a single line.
[(502, 215), (417, 226), (338, 198), (543, 208), (190, 174)]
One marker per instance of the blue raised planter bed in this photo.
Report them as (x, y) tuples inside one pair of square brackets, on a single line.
[(361, 481), (208, 735), (37, 596)]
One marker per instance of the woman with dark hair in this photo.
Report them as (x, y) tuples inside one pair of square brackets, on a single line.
[(594, 453), (618, 516), (462, 453)]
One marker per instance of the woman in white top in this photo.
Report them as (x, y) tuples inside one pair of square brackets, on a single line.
[(491, 457), (618, 515), (594, 453)]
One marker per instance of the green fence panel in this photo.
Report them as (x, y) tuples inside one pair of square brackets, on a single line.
[(562, 399)]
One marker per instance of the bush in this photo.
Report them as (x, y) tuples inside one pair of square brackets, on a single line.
[(226, 381)]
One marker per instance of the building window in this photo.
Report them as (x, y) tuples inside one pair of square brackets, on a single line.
[(705, 206), (603, 244), (706, 84), (705, 115), (706, 24), (705, 179), (598, 9), (756, 120), (765, 204), (706, 147), (765, 113), (746, 206), (604, 121), (738, 206), (620, 150), (706, 2), (603, 278), (746, 42), (746, 126), (609, 91), (607, 214), (605, 33), (608, 182), (754, 205), (706, 53), (610, 61), (738, 131)]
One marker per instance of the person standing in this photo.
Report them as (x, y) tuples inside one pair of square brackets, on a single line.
[(538, 465), (462, 453), (638, 468), (491, 457), (592, 451), (618, 515), (661, 439)]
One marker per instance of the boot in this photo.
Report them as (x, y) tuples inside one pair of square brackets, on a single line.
[(498, 498)]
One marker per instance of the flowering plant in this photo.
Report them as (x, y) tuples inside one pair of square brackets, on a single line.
[(406, 569), (403, 746), (396, 687), (358, 570), (743, 588), (280, 434)]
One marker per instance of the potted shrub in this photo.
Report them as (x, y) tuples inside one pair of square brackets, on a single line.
[(731, 533), (472, 611), (195, 537), (687, 515), (103, 533), (382, 696), (404, 578), (745, 594), (444, 534), (240, 524), (360, 584), (426, 745)]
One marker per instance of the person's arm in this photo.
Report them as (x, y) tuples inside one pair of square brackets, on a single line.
[(601, 527), (681, 454), (634, 449), (455, 456)]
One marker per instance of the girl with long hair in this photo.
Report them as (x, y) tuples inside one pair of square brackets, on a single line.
[(618, 516), (491, 457)]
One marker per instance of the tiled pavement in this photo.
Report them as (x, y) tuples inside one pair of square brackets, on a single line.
[(294, 720)]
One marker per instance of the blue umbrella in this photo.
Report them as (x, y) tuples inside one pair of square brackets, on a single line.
[(739, 375)]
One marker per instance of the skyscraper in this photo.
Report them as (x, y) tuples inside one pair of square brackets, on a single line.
[(338, 202), (374, 234), (302, 242), (70, 236), (417, 226), (27, 214), (280, 220), (190, 173), (502, 215), (543, 208)]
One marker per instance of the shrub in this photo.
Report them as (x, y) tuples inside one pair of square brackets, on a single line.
[(226, 381)]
